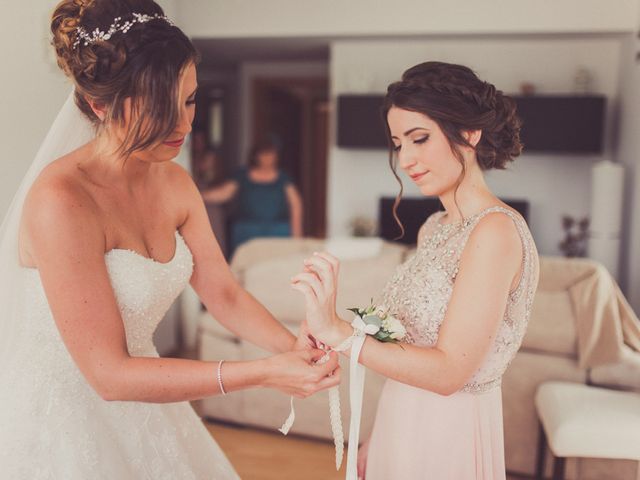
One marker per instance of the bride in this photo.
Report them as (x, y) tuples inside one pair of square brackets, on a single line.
[(102, 236)]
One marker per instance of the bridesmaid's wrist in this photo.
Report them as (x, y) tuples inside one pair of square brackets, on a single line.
[(339, 331)]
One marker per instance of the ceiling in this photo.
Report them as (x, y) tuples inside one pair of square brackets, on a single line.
[(228, 53)]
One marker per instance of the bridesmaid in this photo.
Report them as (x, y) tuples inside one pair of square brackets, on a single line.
[(464, 298)]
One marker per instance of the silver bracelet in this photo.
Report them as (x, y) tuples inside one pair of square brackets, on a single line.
[(220, 384)]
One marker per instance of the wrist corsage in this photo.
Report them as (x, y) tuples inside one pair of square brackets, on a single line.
[(379, 323)]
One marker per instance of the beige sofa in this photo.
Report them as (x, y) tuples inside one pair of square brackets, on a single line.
[(264, 267)]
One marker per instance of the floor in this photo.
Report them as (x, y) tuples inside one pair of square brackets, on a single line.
[(262, 455)]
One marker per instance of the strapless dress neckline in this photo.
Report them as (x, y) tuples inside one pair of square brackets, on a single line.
[(179, 243)]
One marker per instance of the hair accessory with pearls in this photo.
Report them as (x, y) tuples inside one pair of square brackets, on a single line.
[(117, 26)]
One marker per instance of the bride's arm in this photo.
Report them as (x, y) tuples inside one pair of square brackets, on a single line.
[(67, 244), (491, 260), (214, 283)]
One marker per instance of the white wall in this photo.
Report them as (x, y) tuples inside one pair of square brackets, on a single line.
[(282, 18), (554, 185), (32, 90), (171, 10), (628, 153)]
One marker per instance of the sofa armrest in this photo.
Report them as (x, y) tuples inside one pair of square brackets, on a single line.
[(623, 375)]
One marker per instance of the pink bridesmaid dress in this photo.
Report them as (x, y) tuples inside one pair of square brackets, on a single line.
[(419, 434)]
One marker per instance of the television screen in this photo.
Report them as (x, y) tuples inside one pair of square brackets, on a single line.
[(414, 211)]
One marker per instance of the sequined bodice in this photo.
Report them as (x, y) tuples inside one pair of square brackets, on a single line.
[(144, 290), (419, 292)]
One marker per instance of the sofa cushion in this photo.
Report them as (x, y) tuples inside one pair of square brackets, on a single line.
[(270, 282), (209, 326), (551, 326), (264, 249), (584, 421), (359, 281)]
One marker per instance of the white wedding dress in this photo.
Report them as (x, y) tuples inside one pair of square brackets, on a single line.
[(53, 425)]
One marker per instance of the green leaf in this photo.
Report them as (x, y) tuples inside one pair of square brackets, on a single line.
[(355, 310), (388, 340), (382, 335)]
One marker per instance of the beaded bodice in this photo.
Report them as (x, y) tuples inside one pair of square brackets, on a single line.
[(419, 292)]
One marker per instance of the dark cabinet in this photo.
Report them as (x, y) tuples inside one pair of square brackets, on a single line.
[(551, 123)]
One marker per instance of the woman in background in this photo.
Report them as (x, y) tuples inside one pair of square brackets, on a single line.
[(269, 204)]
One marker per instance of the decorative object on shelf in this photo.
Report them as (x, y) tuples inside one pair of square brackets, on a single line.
[(582, 81), (362, 226), (607, 193), (576, 232), (527, 89)]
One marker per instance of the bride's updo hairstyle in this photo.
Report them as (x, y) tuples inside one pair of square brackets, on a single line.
[(458, 101), (143, 63)]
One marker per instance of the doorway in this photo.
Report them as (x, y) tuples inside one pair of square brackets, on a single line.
[(294, 112)]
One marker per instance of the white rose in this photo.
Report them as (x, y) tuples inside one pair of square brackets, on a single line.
[(395, 328), (382, 311)]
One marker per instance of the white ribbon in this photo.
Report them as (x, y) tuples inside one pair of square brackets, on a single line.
[(368, 328), (356, 390), (288, 423)]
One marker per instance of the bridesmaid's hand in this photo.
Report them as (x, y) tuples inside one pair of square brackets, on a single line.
[(318, 283)]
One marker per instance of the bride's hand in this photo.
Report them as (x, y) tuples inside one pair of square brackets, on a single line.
[(318, 283), (305, 339), (297, 373)]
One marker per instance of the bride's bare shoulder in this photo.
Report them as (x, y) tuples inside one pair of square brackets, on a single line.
[(58, 191), (61, 180), (58, 209), (178, 181)]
